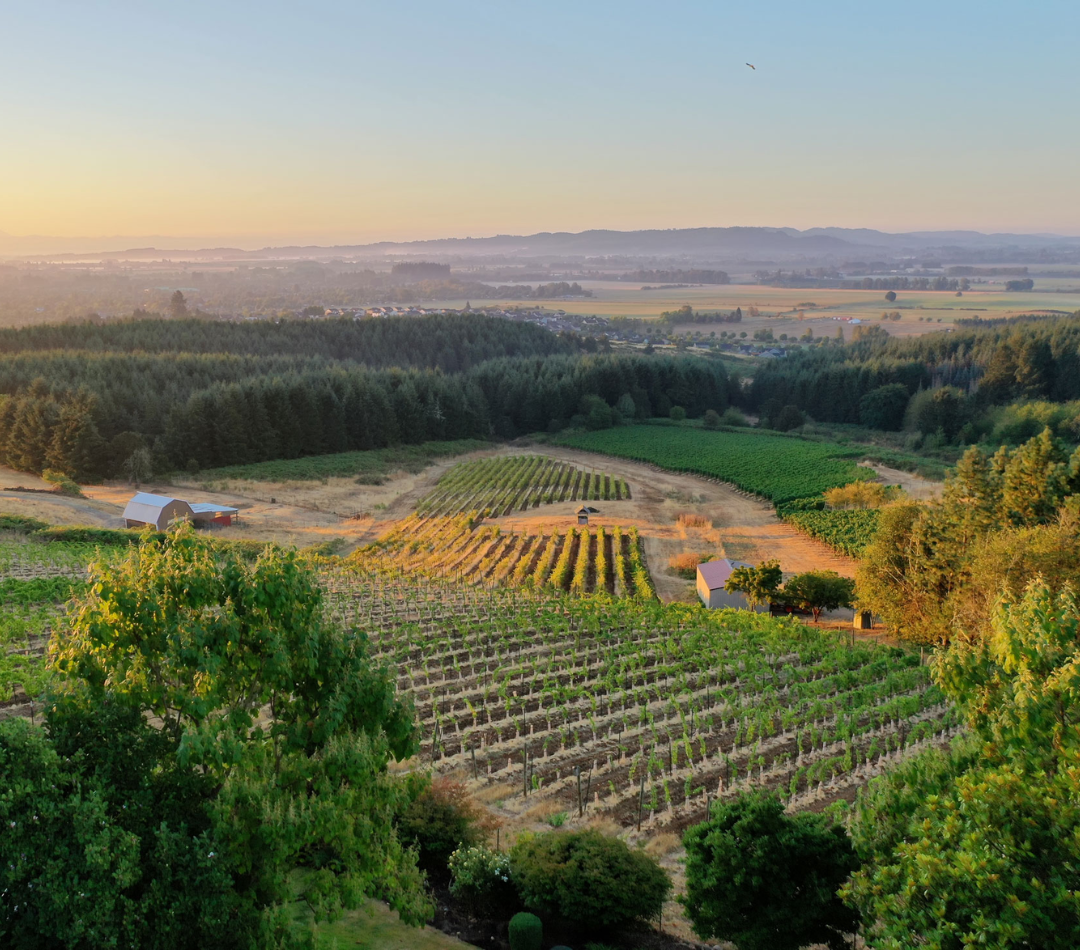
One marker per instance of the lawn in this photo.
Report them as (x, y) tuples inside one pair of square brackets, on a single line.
[(370, 467), (376, 927)]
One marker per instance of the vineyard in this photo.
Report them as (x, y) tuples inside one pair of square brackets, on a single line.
[(778, 468), (500, 486), (36, 579), (847, 531), (636, 712), (580, 560)]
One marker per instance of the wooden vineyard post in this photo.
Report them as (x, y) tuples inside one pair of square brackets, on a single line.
[(588, 786), (473, 751), (577, 775), (525, 772), (641, 801)]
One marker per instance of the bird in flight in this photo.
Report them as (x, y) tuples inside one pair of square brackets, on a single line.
[(752, 66)]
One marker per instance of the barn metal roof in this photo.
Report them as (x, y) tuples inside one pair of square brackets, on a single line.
[(203, 508), (716, 573)]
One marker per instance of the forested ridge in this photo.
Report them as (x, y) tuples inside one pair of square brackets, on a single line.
[(980, 367), (155, 391)]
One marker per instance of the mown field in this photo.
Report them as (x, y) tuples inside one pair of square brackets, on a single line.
[(370, 467), (778, 468), (500, 486), (579, 560)]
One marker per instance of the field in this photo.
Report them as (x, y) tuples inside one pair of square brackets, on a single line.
[(848, 532), (499, 486), (778, 468), (921, 311), (578, 560), (369, 468), (633, 713)]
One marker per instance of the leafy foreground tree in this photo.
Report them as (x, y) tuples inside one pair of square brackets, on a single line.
[(981, 846), (212, 736), (766, 880)]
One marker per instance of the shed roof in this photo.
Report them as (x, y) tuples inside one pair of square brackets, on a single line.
[(203, 508), (716, 573), (145, 498)]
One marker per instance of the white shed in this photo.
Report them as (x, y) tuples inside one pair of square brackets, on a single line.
[(711, 578), (159, 511)]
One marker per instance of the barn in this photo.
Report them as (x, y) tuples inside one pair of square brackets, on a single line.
[(158, 511), (711, 578)]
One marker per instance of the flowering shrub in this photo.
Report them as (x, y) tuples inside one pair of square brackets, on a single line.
[(480, 878)]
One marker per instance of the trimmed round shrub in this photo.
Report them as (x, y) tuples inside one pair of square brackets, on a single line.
[(587, 879), (526, 932)]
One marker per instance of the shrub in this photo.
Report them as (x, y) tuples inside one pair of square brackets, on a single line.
[(480, 879), (438, 821), (768, 881), (711, 419), (732, 417), (21, 525), (790, 417), (63, 484), (591, 881), (526, 932), (677, 413)]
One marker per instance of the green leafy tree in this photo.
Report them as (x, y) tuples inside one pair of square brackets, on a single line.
[(982, 848), (587, 879), (884, 407), (818, 591), (177, 305), (766, 880), (253, 690), (758, 584)]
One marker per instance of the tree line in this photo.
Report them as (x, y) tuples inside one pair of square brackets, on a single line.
[(951, 379), (89, 415)]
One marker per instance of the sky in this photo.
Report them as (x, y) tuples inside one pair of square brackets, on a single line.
[(343, 122)]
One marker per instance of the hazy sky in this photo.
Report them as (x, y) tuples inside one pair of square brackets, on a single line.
[(347, 121)]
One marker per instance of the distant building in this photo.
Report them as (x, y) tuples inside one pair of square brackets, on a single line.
[(711, 578), (583, 514), (160, 511)]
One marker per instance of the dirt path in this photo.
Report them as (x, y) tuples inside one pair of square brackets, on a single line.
[(919, 488)]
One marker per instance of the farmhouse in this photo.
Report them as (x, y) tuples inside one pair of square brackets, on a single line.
[(160, 511), (711, 578)]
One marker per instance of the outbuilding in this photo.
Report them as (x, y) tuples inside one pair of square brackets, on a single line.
[(158, 511), (712, 576)]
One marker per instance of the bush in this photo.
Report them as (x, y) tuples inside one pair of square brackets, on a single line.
[(63, 484), (768, 881), (526, 932), (438, 821), (677, 413), (21, 525), (587, 879), (732, 417), (712, 419), (107, 537), (884, 407), (480, 879), (790, 417)]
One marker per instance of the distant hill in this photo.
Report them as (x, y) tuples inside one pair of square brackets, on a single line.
[(737, 244)]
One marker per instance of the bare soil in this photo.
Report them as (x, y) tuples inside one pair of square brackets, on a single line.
[(919, 488)]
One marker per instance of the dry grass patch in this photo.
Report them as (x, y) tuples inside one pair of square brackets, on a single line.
[(663, 845), (690, 520)]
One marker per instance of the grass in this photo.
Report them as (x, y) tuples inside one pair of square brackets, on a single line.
[(376, 927), (370, 468)]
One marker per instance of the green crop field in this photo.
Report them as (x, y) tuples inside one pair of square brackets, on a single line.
[(779, 468), (369, 467), (516, 483), (849, 532)]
